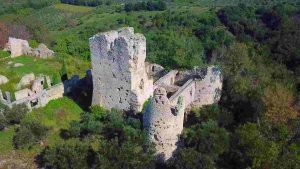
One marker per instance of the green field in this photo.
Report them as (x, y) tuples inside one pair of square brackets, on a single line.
[(73, 8), (6, 138)]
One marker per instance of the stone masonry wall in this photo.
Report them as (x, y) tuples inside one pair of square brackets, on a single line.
[(164, 117), (164, 123), (208, 90), (120, 77)]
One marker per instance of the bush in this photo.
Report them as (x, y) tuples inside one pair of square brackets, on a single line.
[(16, 113), (29, 133)]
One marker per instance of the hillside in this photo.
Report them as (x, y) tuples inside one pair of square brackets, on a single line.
[(255, 45)]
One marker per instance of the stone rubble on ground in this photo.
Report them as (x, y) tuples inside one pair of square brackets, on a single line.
[(3, 80), (19, 47), (26, 80), (18, 65)]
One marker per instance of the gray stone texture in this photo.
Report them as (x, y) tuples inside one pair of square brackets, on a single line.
[(16, 46), (3, 80), (26, 80), (19, 47), (119, 71), (164, 123), (164, 117)]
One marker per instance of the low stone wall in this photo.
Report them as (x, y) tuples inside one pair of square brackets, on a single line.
[(37, 100)]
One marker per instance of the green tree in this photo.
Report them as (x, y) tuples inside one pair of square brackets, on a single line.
[(262, 152), (45, 86), (190, 158), (279, 104), (205, 142), (29, 133), (72, 153)]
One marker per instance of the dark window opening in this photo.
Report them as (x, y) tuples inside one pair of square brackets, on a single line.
[(33, 103)]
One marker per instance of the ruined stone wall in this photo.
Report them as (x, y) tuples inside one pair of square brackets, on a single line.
[(19, 47), (16, 46), (24, 93), (164, 117), (164, 123), (120, 77), (54, 92), (168, 79), (35, 100), (187, 92), (208, 90)]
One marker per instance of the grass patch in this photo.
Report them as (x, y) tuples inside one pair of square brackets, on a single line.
[(56, 115), (6, 138), (4, 54), (73, 8)]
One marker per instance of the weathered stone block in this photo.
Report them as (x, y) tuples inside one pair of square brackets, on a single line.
[(120, 77)]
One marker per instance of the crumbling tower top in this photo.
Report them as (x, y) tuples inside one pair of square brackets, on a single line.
[(119, 71)]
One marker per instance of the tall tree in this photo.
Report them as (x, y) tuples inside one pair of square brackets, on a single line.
[(279, 105)]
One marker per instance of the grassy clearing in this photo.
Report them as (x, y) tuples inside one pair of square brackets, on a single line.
[(73, 8), (48, 67), (6, 138), (56, 115)]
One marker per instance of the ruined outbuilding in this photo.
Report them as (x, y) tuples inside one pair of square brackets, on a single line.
[(123, 80), (19, 47), (34, 95), (16, 47)]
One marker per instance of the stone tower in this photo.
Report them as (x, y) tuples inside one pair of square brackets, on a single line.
[(164, 117), (164, 123), (119, 71)]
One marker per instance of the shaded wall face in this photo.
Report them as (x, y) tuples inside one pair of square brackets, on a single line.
[(111, 75), (163, 124), (208, 91)]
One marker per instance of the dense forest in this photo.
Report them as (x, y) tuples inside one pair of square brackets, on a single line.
[(256, 123)]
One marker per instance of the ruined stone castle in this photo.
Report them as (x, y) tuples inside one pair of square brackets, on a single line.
[(123, 80)]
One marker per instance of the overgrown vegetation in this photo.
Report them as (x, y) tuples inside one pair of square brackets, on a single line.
[(255, 125)]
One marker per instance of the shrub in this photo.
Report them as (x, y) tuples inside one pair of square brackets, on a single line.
[(29, 133), (16, 113)]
